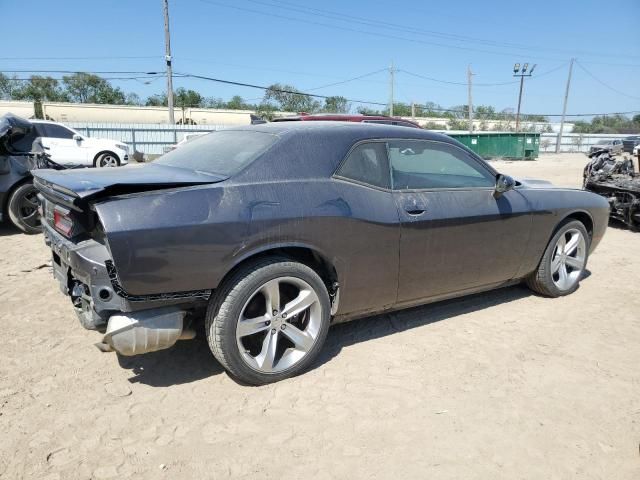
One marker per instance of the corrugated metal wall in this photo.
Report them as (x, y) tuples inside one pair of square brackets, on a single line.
[(141, 137)]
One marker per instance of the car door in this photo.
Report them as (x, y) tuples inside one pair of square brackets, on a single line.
[(367, 234), (455, 235), (60, 144)]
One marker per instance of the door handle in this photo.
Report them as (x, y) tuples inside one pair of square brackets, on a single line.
[(415, 210)]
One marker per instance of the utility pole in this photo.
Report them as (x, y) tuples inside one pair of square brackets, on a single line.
[(391, 81), (413, 111), (167, 56), (564, 107), (469, 75), (518, 73)]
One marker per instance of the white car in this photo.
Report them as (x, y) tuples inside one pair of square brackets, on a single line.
[(68, 147)]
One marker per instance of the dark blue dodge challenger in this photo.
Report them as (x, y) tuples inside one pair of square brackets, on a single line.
[(273, 232)]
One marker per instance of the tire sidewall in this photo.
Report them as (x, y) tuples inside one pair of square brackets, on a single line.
[(226, 313), (14, 209), (548, 256)]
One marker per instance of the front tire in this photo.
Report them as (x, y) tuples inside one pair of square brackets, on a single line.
[(106, 159), (564, 261), (23, 209), (268, 321)]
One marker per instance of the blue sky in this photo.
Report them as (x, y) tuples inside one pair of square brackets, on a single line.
[(339, 40)]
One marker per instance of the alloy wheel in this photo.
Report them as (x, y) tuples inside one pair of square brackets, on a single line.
[(108, 161), (568, 260), (279, 324)]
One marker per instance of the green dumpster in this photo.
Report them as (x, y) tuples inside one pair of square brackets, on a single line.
[(516, 146)]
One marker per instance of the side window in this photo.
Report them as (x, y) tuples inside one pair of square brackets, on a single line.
[(367, 163), (40, 129), (58, 131), (418, 164)]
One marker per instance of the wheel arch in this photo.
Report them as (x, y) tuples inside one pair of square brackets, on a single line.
[(305, 254), (582, 216)]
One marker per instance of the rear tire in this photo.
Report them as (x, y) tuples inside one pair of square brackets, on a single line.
[(563, 262), (23, 209), (268, 321)]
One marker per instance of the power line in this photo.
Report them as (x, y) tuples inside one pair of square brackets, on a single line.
[(603, 83), (342, 82), (375, 34), (103, 78), (253, 67), (80, 71), (261, 87), (82, 58), (407, 29), (479, 84), (431, 79)]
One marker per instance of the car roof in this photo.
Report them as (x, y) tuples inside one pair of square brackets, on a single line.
[(347, 117), (315, 149), (346, 128)]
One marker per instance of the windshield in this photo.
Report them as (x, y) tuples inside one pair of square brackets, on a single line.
[(225, 152), (602, 142)]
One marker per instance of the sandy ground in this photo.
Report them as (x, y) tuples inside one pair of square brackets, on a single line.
[(500, 385)]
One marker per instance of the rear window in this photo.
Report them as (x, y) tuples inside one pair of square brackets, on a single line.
[(224, 153)]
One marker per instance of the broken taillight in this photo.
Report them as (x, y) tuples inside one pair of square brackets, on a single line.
[(62, 221)]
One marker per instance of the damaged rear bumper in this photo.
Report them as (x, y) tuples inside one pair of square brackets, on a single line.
[(131, 325)]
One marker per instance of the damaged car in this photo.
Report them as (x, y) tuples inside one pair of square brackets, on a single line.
[(619, 182), (18, 196), (21, 151), (268, 234)]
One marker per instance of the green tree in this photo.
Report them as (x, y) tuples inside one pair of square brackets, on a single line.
[(8, 87), (401, 109), (133, 99), (88, 88), (238, 103), (455, 124), (39, 89), (266, 111), (368, 111), (187, 98), (336, 104), (430, 109), (157, 100), (433, 126), (289, 99)]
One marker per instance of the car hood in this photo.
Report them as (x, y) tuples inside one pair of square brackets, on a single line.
[(536, 183), (91, 183)]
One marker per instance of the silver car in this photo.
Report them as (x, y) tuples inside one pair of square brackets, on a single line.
[(614, 146)]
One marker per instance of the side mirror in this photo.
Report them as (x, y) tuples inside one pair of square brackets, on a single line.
[(77, 138), (504, 183)]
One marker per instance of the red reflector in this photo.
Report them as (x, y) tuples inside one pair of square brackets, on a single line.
[(62, 222)]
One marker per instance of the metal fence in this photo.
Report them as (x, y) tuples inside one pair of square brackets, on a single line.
[(144, 138), (155, 139), (574, 142)]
